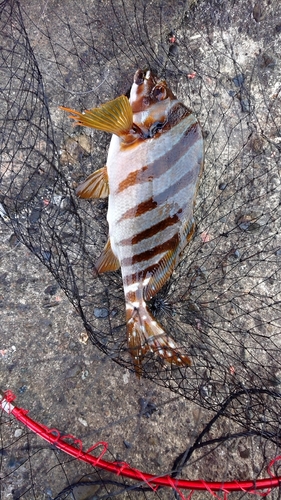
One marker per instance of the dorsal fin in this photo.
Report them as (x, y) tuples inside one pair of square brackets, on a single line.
[(115, 117), (95, 186), (187, 233)]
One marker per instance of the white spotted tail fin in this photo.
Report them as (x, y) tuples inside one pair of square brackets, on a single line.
[(144, 334)]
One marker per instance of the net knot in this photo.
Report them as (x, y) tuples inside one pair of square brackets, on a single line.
[(122, 466), (96, 445), (6, 402), (9, 396)]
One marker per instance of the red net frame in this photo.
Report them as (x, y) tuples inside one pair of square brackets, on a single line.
[(75, 449)]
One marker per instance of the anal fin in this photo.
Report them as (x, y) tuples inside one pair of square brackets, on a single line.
[(162, 273), (107, 260), (95, 186)]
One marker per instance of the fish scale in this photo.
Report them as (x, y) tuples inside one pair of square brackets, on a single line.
[(154, 164)]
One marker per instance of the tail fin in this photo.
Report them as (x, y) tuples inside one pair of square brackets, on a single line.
[(145, 334)]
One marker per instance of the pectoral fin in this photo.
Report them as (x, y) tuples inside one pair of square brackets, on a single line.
[(95, 186), (107, 260), (115, 117)]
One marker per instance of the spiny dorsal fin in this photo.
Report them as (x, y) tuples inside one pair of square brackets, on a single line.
[(95, 186), (115, 117), (187, 233), (107, 260)]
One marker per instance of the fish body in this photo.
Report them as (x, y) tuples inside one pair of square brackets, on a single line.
[(151, 178)]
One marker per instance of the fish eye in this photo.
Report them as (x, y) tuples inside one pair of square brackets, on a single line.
[(159, 92)]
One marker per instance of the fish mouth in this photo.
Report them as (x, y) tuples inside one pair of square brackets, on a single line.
[(148, 90), (142, 75)]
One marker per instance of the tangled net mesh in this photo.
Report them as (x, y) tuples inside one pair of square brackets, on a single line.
[(223, 300)]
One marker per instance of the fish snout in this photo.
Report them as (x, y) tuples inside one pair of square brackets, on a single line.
[(142, 75)]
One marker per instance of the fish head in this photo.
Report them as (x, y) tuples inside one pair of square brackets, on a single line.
[(150, 100), (147, 90)]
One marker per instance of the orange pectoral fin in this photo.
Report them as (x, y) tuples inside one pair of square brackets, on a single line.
[(95, 186), (107, 260), (115, 117)]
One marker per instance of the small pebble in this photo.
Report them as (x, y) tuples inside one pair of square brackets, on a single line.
[(57, 199), (236, 254), (245, 105), (46, 255), (73, 372), (173, 50), (147, 408), (35, 215), (100, 312), (83, 421), (22, 389), (3, 213), (206, 391), (83, 338), (13, 241), (126, 377), (238, 80), (18, 433), (13, 463), (127, 444), (84, 374), (49, 492), (244, 452), (257, 12), (114, 312), (51, 289), (266, 61), (222, 186)]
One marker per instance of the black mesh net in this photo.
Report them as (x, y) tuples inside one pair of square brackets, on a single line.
[(222, 302)]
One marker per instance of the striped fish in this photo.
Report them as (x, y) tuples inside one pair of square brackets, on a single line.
[(151, 178)]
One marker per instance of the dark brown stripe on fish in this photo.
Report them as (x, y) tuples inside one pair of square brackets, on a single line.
[(133, 178), (158, 167), (152, 252), (140, 276), (151, 231), (140, 209), (161, 198)]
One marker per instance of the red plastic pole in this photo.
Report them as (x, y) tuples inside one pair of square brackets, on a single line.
[(120, 468)]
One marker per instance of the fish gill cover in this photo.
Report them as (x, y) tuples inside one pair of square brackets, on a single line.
[(222, 59)]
